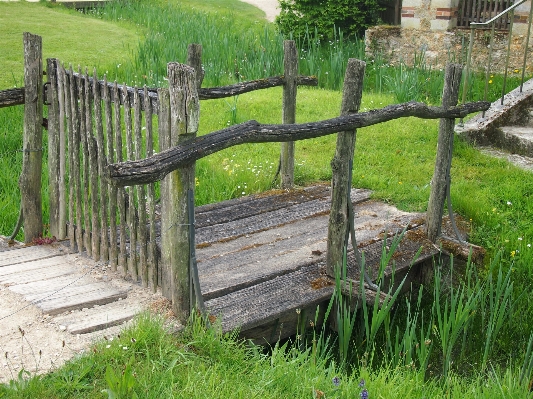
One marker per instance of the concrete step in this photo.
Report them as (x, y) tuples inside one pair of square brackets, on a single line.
[(517, 140)]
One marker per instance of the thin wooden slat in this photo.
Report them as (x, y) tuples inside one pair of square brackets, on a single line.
[(69, 81), (62, 233), (93, 172), (101, 164), (132, 217), (84, 165), (97, 296), (163, 121), (122, 259), (152, 249), (75, 172), (53, 148), (98, 318), (109, 188), (140, 190)]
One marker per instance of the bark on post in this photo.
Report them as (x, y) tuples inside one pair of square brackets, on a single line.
[(30, 178), (53, 148), (290, 64), (344, 153), (450, 95), (184, 117)]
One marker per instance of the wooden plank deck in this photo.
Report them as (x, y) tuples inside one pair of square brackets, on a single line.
[(260, 259)]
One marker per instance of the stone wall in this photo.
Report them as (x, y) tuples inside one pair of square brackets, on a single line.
[(397, 44)]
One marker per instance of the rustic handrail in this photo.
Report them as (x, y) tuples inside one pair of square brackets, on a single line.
[(15, 96), (159, 165)]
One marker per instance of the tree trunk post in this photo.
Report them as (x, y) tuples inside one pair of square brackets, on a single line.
[(450, 96), (30, 178), (194, 59), (184, 119), (340, 165), (53, 147), (290, 64)]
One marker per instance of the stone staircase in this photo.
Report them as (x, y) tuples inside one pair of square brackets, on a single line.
[(505, 131)]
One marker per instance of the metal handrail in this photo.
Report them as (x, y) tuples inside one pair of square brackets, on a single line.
[(500, 14), (478, 25)]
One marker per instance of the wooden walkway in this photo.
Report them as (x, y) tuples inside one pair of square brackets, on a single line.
[(260, 258)]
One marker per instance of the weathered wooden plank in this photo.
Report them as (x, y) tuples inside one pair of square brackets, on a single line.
[(87, 299), (98, 318), (266, 302), (251, 205), (229, 266), (25, 254), (51, 285), (266, 220), (69, 291), (39, 274), (33, 265)]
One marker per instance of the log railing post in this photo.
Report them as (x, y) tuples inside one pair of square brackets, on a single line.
[(194, 59), (344, 153), (30, 178), (184, 119), (53, 148), (440, 181), (290, 63)]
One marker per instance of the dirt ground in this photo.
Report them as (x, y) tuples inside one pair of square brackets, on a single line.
[(33, 341)]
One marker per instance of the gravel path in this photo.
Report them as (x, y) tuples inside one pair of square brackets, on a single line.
[(270, 7)]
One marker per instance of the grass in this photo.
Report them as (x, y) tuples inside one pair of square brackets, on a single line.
[(395, 160)]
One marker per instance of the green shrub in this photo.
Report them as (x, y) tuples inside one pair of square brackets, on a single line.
[(351, 17)]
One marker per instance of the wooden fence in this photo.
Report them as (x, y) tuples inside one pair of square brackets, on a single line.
[(104, 170), (482, 11)]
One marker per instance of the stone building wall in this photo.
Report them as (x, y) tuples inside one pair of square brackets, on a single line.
[(429, 29), (437, 47)]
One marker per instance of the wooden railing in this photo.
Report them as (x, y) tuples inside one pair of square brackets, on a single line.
[(99, 143)]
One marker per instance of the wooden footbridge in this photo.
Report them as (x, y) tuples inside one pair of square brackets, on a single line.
[(260, 258), (253, 260)]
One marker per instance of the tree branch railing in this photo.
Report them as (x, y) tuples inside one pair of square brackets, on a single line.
[(159, 165), (12, 97)]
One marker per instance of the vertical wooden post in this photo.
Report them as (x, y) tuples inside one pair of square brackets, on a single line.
[(53, 147), (344, 153), (450, 95), (30, 178), (184, 118), (290, 64), (194, 59)]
